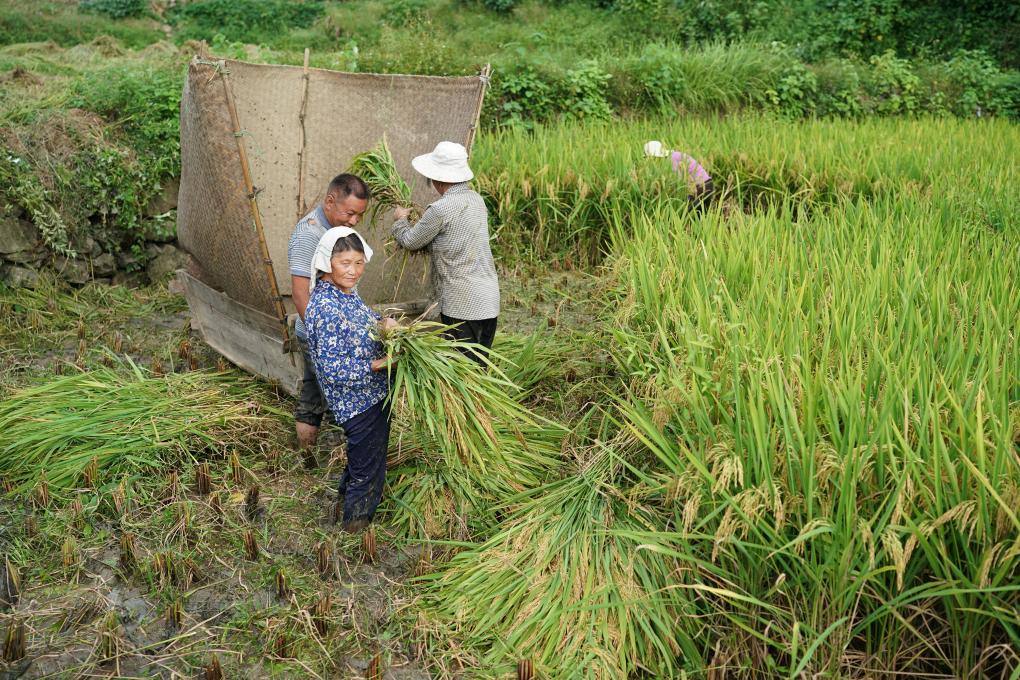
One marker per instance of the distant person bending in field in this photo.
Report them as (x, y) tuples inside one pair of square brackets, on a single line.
[(350, 364), (700, 189), (455, 230)]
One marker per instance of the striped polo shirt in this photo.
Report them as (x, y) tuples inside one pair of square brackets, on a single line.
[(301, 248)]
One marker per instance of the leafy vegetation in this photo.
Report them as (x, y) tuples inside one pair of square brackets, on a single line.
[(129, 423), (243, 20), (580, 183), (86, 148), (467, 432), (115, 9), (62, 22), (551, 61)]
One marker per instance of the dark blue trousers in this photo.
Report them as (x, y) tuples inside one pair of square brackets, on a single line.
[(368, 436)]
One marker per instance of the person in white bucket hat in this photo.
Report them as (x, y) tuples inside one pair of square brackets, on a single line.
[(455, 231), (700, 189)]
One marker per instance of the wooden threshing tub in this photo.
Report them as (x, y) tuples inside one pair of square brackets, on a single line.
[(259, 145)]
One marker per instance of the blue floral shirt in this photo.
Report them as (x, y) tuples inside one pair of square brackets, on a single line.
[(341, 345)]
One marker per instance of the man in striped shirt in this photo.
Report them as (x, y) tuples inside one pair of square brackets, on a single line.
[(455, 231), (344, 205)]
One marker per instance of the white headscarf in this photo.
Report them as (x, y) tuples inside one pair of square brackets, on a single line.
[(324, 251)]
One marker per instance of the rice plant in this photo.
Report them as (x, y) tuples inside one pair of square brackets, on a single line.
[(125, 421), (563, 583), (827, 406), (552, 190), (466, 440), (816, 406), (389, 190)]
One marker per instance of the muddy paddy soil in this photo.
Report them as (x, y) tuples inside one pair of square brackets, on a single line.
[(274, 592)]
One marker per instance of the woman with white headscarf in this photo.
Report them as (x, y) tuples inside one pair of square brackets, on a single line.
[(350, 364)]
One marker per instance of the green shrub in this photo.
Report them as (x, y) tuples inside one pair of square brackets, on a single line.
[(838, 89), (860, 27), (403, 12), (892, 86), (502, 6), (520, 95), (940, 28), (532, 91), (651, 79), (796, 92), (114, 189), (582, 93), (22, 187), (1008, 87), (254, 21), (725, 19), (974, 85), (145, 100), (116, 9)]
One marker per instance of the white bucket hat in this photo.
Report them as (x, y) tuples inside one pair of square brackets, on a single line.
[(448, 162), (654, 148), (324, 251)]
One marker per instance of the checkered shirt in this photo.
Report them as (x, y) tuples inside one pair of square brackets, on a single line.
[(455, 231)]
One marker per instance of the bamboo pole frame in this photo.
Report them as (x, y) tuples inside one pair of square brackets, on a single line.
[(484, 76), (242, 155), (302, 206)]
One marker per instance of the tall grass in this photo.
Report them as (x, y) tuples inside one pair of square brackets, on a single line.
[(817, 429), (564, 585), (835, 404)]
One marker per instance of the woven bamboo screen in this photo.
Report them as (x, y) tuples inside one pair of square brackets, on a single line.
[(344, 114)]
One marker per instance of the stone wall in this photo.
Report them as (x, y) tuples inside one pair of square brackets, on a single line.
[(23, 255)]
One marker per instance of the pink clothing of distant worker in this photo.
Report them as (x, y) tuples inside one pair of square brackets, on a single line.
[(696, 175)]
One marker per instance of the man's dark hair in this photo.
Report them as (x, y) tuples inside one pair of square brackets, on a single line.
[(346, 184), (349, 242)]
